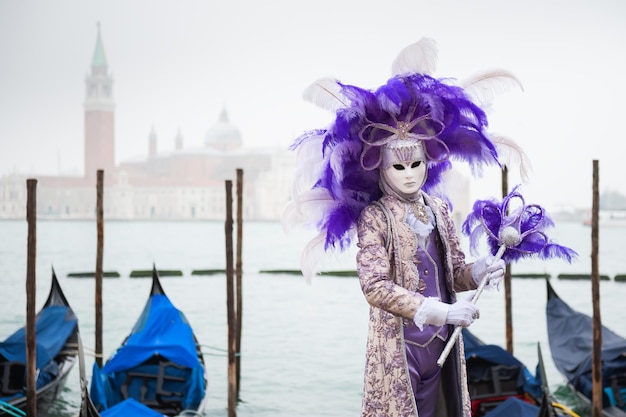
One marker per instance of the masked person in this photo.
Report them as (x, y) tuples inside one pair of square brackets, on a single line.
[(376, 173)]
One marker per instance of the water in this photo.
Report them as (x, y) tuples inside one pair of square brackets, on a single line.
[(303, 345)]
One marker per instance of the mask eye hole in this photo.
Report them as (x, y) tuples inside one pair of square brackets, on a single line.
[(398, 167), (416, 164)]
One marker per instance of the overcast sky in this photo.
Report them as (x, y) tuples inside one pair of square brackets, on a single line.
[(176, 64)]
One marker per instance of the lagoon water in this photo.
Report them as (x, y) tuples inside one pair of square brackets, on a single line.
[(302, 345)]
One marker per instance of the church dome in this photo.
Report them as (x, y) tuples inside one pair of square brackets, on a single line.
[(223, 135)]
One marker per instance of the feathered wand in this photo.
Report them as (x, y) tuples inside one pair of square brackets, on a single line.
[(510, 236)]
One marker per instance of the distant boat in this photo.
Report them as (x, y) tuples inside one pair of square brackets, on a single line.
[(570, 334), (56, 331), (160, 364), (609, 218)]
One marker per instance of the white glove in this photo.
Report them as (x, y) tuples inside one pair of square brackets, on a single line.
[(432, 311), (463, 312), (494, 271)]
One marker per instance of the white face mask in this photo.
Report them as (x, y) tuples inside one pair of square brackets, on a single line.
[(406, 177)]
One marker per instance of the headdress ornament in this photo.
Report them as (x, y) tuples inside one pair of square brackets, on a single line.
[(413, 115)]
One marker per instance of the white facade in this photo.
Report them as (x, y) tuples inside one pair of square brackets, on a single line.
[(264, 197)]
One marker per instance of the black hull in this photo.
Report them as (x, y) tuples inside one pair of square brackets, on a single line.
[(87, 408), (65, 360)]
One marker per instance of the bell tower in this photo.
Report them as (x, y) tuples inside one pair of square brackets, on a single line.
[(99, 115)]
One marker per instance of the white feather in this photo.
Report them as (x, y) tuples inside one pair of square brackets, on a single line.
[(483, 87), (314, 257), (420, 57), (326, 94), (307, 209), (307, 203), (306, 173), (511, 153), (311, 257)]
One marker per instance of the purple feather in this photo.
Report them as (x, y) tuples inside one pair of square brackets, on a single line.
[(457, 127), (491, 218)]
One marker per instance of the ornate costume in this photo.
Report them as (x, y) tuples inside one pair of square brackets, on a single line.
[(439, 272), (375, 174)]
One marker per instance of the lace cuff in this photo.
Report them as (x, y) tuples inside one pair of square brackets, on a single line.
[(432, 311)]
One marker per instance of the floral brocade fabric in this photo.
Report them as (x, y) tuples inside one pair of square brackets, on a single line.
[(384, 250)]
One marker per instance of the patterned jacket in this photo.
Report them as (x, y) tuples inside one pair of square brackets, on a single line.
[(387, 390)]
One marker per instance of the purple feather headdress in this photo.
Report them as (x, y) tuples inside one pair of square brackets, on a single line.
[(526, 223), (337, 171), (360, 131)]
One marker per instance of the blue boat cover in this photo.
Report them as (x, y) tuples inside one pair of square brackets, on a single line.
[(475, 348), (130, 407), (161, 330), (571, 340), (513, 406), (53, 325)]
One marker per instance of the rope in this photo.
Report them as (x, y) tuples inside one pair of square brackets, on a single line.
[(222, 355), (225, 352), (568, 411), (214, 348), (214, 354), (11, 409), (91, 352), (87, 351)]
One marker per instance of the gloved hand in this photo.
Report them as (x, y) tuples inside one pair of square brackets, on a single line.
[(432, 311), (492, 269), (463, 312)]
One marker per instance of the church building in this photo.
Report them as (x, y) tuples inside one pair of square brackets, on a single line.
[(181, 184)]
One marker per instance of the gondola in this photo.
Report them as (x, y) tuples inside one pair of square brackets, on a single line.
[(56, 332), (128, 407), (494, 375), (544, 404), (570, 334), (159, 364)]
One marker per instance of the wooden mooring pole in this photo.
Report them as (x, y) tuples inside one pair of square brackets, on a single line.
[(31, 292), (238, 272), (596, 355), (230, 306), (99, 256), (508, 301)]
